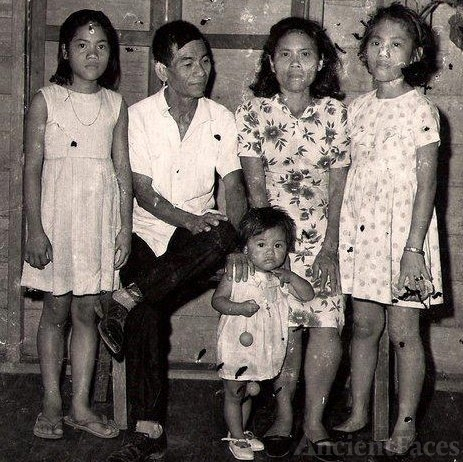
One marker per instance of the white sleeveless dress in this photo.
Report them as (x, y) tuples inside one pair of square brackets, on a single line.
[(263, 359), (80, 195)]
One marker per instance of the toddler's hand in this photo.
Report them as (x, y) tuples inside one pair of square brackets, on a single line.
[(283, 274), (249, 308)]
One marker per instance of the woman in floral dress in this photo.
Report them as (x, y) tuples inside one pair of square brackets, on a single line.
[(294, 153)]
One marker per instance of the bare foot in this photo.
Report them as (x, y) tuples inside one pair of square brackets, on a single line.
[(96, 423), (316, 432), (352, 424), (402, 437)]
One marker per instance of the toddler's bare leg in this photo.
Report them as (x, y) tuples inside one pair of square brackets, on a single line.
[(233, 409)]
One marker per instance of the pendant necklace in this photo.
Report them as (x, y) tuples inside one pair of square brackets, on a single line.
[(75, 113)]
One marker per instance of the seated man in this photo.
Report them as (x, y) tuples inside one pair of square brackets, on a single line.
[(178, 140)]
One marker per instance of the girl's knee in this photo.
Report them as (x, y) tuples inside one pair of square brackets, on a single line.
[(401, 337), (367, 329), (83, 309), (55, 310)]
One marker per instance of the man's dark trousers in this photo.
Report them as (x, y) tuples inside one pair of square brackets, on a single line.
[(188, 261)]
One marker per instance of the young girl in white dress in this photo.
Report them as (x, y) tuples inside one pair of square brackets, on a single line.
[(252, 331), (389, 248), (78, 201)]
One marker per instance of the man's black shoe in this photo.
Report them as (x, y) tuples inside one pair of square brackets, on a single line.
[(111, 326), (277, 446), (141, 448)]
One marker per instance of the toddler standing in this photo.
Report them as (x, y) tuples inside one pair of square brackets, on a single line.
[(253, 327)]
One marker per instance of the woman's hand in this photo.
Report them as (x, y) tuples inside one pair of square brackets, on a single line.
[(241, 264), (413, 272), (38, 251), (122, 248), (326, 268)]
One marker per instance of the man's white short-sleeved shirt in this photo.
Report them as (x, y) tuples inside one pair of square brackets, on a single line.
[(182, 171)]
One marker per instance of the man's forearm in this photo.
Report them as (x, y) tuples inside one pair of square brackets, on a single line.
[(161, 208)]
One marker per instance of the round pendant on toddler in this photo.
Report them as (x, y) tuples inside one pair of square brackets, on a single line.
[(253, 388), (246, 339)]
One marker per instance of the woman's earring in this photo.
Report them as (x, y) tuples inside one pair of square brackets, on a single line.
[(245, 250)]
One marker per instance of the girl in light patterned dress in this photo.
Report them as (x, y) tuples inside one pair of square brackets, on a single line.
[(78, 200), (389, 249)]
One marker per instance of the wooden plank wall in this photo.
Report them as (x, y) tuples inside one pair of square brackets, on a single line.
[(236, 31), (12, 75)]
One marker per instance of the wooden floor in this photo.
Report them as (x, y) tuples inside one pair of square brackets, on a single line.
[(195, 426)]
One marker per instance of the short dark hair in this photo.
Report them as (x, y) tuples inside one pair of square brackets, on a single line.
[(112, 74), (258, 220), (419, 72), (175, 33), (326, 82)]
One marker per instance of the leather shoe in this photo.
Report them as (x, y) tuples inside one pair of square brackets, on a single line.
[(324, 450), (111, 326), (277, 446)]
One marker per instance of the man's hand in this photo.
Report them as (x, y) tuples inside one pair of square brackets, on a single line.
[(202, 223)]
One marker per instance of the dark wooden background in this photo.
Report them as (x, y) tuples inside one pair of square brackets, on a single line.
[(236, 30)]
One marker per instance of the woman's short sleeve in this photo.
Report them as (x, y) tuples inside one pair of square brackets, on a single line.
[(426, 124), (247, 124), (340, 152)]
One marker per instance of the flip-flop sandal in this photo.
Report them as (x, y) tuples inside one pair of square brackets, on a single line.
[(54, 427), (85, 426)]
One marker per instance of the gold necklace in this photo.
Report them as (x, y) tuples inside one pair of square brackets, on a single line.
[(75, 113)]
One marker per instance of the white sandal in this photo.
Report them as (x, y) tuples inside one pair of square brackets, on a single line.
[(256, 444), (240, 448)]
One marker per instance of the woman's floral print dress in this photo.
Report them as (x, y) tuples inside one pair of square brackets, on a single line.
[(297, 154)]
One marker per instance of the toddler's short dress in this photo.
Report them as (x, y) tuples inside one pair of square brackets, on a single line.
[(379, 196), (80, 202), (263, 359)]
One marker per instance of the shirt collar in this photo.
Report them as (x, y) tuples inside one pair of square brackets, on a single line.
[(277, 101), (202, 113)]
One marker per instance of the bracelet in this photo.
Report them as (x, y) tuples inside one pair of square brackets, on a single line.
[(414, 250)]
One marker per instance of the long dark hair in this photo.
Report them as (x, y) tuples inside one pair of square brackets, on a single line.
[(326, 82), (112, 74), (419, 72)]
